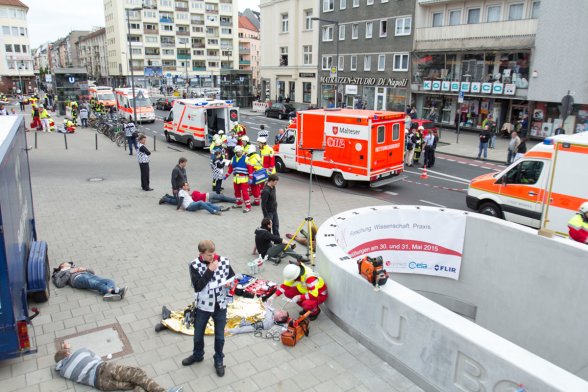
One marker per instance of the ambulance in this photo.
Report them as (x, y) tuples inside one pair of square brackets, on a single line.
[(346, 145), (124, 101), (102, 94), (195, 121), (543, 189)]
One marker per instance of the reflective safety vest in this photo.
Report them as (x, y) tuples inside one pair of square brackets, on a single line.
[(44, 114), (254, 160), (310, 284), (267, 156), (578, 229), (239, 169)]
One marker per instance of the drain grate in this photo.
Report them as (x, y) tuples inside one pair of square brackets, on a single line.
[(109, 339)]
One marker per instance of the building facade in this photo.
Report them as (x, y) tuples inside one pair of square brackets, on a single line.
[(289, 47), (364, 51), (473, 60), (91, 51), (171, 40), (249, 46), (16, 66)]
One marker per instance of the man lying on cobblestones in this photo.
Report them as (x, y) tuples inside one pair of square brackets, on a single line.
[(85, 279), (186, 202), (85, 367)]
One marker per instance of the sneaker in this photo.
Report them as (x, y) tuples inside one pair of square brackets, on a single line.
[(224, 209), (236, 206), (246, 210), (190, 360), (159, 327), (293, 246), (111, 297), (162, 201), (122, 292), (175, 389), (313, 316), (220, 369)]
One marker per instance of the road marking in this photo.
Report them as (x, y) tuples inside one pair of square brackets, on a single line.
[(391, 193), (434, 204), (450, 177), (450, 160), (473, 164)]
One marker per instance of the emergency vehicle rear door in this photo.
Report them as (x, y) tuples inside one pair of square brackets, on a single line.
[(383, 138), (521, 190)]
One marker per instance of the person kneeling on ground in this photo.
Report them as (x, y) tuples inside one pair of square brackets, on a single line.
[(84, 278), (263, 243), (304, 287), (85, 367), (186, 201)]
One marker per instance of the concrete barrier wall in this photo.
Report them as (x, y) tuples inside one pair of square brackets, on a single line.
[(526, 288)]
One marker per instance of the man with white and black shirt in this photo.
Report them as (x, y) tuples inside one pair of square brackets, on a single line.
[(131, 136), (143, 154), (211, 275)]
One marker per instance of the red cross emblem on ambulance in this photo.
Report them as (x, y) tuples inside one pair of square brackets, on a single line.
[(335, 130)]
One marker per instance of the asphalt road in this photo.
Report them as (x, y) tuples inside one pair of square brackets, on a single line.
[(445, 186)]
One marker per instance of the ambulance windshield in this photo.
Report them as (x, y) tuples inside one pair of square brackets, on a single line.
[(141, 102)]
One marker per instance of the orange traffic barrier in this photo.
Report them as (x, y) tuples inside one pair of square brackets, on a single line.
[(424, 173)]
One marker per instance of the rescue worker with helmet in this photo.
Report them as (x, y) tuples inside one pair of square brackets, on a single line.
[(238, 167), (244, 142), (304, 287), (255, 183), (44, 117), (578, 225), (418, 145), (240, 130), (74, 112), (267, 155)]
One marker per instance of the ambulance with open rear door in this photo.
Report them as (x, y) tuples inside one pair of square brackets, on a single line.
[(543, 189), (346, 145)]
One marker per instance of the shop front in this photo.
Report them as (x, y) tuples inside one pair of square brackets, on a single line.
[(547, 120)]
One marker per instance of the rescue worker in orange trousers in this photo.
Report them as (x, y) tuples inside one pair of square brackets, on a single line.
[(238, 167), (256, 182), (267, 155), (304, 287), (578, 225)]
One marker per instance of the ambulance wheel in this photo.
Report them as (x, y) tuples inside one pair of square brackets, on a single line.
[(339, 181), (167, 137), (280, 167), (490, 208), (191, 145)]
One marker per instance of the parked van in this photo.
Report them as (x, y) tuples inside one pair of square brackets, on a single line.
[(195, 121), (348, 144), (543, 189), (125, 106)]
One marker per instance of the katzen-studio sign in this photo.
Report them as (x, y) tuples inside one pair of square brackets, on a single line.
[(366, 81), (470, 87)]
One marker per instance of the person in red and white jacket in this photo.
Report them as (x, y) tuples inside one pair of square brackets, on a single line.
[(578, 225), (304, 287), (212, 197)]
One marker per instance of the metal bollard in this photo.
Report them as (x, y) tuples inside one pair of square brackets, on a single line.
[(154, 143), (65, 139), (35, 140), (96, 134)]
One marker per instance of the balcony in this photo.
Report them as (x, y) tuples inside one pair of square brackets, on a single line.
[(230, 24), (197, 22), (183, 33), (150, 31), (183, 56), (166, 19), (169, 67), (226, 1), (518, 34), (244, 50), (182, 8), (198, 45), (198, 68), (212, 11), (244, 62), (168, 44)]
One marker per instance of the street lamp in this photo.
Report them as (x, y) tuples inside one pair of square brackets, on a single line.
[(127, 10), (185, 42), (20, 90), (336, 38)]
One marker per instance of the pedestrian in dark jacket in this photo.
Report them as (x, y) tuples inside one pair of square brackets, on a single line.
[(143, 154), (484, 139), (272, 245), (269, 202), (85, 278), (178, 178)]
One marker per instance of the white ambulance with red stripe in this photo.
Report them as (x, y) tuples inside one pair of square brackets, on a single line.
[(346, 144), (543, 189), (126, 105), (195, 121)]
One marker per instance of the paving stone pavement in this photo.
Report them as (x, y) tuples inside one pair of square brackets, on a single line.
[(121, 232)]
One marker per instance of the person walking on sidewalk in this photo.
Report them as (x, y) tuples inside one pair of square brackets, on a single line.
[(143, 157), (513, 147), (21, 102), (131, 135), (210, 275), (85, 367), (484, 139)]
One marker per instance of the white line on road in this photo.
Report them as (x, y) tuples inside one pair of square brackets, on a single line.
[(473, 164), (450, 160), (434, 204), (391, 193), (457, 179)]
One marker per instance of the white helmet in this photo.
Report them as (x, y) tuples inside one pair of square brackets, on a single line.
[(262, 139), (221, 132), (421, 128), (291, 272), (584, 208), (238, 149), (251, 149), (245, 138), (216, 137)]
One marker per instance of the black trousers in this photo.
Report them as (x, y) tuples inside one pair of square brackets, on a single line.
[(144, 175)]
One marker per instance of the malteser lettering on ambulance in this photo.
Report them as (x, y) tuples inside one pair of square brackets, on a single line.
[(346, 131)]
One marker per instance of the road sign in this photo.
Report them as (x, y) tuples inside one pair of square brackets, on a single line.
[(333, 72), (460, 97)]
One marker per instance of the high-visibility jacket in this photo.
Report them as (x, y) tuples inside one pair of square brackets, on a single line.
[(310, 285), (239, 169), (578, 229), (267, 156), (44, 114), (254, 160)]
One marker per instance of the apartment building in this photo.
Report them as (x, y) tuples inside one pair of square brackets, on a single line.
[(364, 51), (16, 66), (91, 51), (177, 39), (473, 59), (249, 46), (289, 47)]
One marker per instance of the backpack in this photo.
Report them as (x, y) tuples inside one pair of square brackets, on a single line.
[(373, 270)]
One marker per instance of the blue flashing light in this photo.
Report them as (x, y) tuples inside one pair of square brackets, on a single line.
[(201, 103), (229, 101), (548, 141)]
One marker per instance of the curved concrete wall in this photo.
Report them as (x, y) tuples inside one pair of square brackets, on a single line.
[(526, 295)]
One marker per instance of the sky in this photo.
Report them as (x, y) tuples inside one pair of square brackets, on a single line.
[(49, 20)]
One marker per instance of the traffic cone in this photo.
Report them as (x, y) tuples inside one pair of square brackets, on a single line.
[(424, 173)]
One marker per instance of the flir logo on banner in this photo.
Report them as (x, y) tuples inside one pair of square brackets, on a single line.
[(410, 242)]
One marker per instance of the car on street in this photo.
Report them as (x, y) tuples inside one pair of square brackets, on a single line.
[(163, 104), (427, 124), (280, 110)]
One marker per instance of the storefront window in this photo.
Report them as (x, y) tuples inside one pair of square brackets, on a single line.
[(369, 94), (306, 92), (514, 68), (396, 99), (327, 95)]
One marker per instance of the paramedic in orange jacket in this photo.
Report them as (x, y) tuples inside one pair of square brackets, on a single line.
[(267, 155), (305, 287), (238, 167)]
